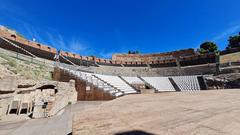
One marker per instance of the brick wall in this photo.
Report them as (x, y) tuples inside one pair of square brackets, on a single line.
[(35, 48)]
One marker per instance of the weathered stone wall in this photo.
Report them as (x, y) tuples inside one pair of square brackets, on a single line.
[(232, 57), (4, 102), (147, 58), (145, 71), (93, 93)]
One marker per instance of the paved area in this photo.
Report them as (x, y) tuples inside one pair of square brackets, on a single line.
[(57, 125), (201, 113)]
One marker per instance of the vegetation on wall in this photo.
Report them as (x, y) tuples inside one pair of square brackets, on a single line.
[(133, 52), (208, 47), (27, 69), (234, 41)]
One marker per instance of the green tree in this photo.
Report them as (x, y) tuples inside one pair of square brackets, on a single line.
[(234, 41), (133, 52), (208, 47)]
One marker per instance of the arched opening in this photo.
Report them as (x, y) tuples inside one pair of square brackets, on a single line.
[(39, 46), (13, 36)]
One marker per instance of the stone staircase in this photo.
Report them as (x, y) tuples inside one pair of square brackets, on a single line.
[(95, 81), (129, 84)]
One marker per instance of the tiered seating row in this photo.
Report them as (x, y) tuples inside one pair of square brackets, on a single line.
[(160, 83), (184, 83), (118, 86), (187, 83), (118, 83)]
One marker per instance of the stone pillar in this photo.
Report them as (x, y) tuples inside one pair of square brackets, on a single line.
[(56, 74), (217, 63), (72, 83)]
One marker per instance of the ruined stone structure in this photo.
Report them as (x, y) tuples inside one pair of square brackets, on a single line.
[(38, 99), (12, 41)]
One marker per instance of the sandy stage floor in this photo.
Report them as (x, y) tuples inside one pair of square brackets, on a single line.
[(205, 112)]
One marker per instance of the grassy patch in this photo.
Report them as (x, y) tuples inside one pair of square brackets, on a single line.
[(27, 69)]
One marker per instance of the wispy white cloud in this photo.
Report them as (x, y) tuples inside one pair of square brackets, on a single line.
[(56, 40), (45, 35), (77, 46), (73, 45), (226, 33), (14, 13), (106, 55), (221, 37), (32, 32)]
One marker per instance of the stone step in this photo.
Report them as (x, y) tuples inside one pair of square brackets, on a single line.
[(147, 91)]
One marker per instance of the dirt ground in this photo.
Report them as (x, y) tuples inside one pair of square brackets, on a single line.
[(196, 113)]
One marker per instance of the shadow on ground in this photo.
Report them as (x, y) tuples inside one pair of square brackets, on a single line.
[(134, 132)]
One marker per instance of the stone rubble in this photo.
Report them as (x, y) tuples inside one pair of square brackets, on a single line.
[(37, 99)]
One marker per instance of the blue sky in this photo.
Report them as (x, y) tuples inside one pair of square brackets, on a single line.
[(103, 27)]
